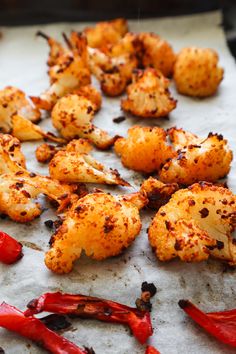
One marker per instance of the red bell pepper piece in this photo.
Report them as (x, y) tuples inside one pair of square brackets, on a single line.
[(139, 321), (10, 249), (221, 325), (30, 327), (151, 350)]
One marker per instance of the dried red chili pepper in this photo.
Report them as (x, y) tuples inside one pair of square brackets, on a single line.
[(221, 325), (138, 320), (151, 350), (30, 327), (10, 249)]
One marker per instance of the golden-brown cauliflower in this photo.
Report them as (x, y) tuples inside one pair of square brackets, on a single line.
[(196, 72), (25, 130), (106, 33), (158, 193), (129, 44), (19, 192), (92, 94), (145, 149), (195, 223), (76, 165), (100, 224), (157, 53), (200, 160), (45, 152), (148, 95), (113, 72), (12, 101), (72, 116), (70, 72), (11, 146), (56, 49)]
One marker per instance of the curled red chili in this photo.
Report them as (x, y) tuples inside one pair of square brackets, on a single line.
[(30, 327), (221, 325), (151, 350), (10, 249), (138, 320)]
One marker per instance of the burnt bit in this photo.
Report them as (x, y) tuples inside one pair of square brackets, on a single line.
[(53, 225), (119, 119), (108, 225), (183, 304), (191, 202), (219, 245), (168, 225), (89, 350), (32, 174), (178, 245), (148, 290), (56, 322), (204, 213), (89, 109)]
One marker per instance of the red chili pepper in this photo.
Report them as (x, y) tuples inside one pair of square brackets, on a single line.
[(151, 350), (30, 327), (139, 321), (221, 325), (10, 249)]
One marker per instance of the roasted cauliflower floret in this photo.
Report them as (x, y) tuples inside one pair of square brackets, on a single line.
[(19, 192), (12, 147), (202, 160), (158, 193), (196, 72), (113, 73), (72, 116), (106, 33), (197, 222), (25, 130), (45, 152), (148, 95), (145, 149), (75, 165), (157, 53), (92, 94), (100, 224), (70, 72), (129, 44), (56, 48), (12, 101)]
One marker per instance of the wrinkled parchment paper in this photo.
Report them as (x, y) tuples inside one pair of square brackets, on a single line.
[(23, 64)]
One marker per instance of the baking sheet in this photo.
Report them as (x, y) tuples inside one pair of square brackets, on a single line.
[(210, 284)]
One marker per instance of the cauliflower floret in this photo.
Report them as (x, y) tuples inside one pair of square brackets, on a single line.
[(106, 33), (19, 192), (70, 72), (148, 95), (113, 73), (56, 49), (25, 130), (196, 72), (45, 152), (75, 165), (100, 224), (157, 53), (12, 147), (129, 44), (195, 223), (158, 193), (145, 149), (12, 101), (72, 116), (202, 160), (92, 94)]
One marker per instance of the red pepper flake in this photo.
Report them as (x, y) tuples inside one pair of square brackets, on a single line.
[(151, 350), (10, 249), (221, 325)]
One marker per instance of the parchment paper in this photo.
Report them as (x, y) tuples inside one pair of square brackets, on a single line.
[(23, 64)]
